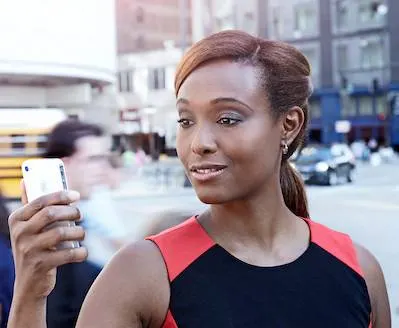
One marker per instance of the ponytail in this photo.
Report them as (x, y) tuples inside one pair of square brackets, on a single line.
[(293, 190)]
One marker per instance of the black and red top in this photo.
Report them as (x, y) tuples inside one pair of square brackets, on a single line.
[(211, 288)]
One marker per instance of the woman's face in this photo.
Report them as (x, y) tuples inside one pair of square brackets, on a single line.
[(227, 139)]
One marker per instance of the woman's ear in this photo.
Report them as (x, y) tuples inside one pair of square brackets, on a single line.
[(292, 122)]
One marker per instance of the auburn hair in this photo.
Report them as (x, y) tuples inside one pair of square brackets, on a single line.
[(285, 78)]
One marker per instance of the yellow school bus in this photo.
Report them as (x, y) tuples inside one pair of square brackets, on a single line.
[(23, 135)]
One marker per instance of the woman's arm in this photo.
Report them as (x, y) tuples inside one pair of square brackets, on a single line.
[(380, 310), (36, 257), (131, 291)]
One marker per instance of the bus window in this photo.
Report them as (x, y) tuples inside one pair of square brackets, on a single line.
[(17, 142), (41, 143)]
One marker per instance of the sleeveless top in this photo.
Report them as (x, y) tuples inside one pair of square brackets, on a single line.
[(211, 288)]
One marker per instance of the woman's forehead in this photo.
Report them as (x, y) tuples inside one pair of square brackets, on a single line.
[(221, 78)]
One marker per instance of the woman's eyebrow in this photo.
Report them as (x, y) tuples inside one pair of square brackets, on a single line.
[(231, 100), (218, 100)]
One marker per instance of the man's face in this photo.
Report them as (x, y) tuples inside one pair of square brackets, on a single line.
[(86, 168)]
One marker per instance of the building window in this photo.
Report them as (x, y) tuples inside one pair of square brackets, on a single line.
[(342, 57), (341, 13), (364, 12), (348, 105), (365, 106), (140, 42), (277, 23), (305, 19), (381, 105), (156, 78), (371, 54), (125, 81), (371, 11), (314, 109), (140, 15)]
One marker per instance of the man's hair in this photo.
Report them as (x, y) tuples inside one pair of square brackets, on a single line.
[(62, 139)]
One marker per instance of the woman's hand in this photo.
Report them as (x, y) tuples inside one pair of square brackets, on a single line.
[(34, 243)]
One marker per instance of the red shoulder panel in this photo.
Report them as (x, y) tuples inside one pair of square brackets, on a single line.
[(336, 243), (182, 245), (169, 321)]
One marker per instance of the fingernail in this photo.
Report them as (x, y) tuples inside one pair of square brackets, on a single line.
[(73, 195)]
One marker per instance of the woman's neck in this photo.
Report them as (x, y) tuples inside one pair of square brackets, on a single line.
[(254, 228), (259, 218)]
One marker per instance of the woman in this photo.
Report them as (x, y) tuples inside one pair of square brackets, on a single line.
[(252, 259), (7, 274)]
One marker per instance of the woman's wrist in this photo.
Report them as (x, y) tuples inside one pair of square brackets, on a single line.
[(27, 312)]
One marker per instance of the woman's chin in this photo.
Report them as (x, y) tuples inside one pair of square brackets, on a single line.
[(212, 197)]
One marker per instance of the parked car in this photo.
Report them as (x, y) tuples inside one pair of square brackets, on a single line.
[(328, 165)]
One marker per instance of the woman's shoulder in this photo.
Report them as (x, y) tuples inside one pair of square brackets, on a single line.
[(376, 286), (336, 243), (138, 258), (129, 284), (361, 260)]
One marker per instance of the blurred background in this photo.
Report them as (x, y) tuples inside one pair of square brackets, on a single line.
[(112, 63)]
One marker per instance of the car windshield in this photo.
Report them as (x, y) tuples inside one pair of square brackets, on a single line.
[(314, 154)]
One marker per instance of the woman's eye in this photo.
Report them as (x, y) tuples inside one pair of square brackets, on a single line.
[(185, 123), (228, 121)]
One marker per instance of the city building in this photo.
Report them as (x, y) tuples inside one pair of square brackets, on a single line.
[(152, 35), (210, 16), (354, 54), (147, 99), (144, 25), (59, 54)]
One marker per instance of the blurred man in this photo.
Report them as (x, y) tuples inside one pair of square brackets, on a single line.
[(83, 147), (7, 274)]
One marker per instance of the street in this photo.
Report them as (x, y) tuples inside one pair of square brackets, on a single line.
[(368, 210)]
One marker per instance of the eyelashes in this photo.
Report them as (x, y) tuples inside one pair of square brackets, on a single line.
[(224, 121)]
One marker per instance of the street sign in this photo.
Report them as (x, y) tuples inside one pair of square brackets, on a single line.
[(343, 126)]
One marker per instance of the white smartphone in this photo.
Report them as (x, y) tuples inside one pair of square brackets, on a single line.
[(44, 176)]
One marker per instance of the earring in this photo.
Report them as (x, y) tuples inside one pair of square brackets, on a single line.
[(285, 148)]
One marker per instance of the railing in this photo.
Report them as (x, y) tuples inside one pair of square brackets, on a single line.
[(163, 175)]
